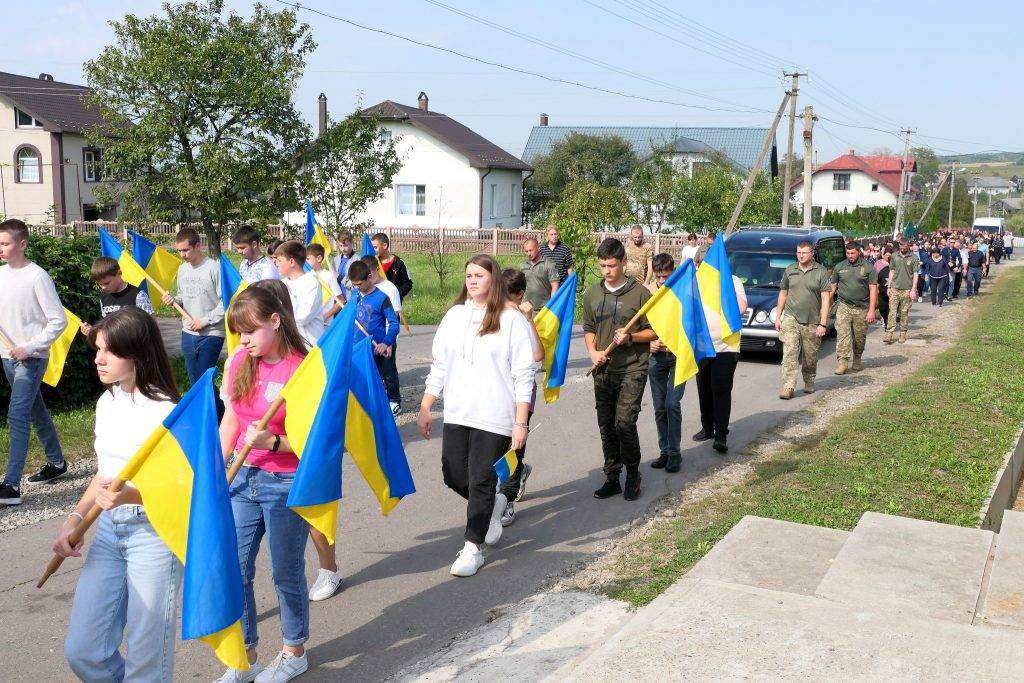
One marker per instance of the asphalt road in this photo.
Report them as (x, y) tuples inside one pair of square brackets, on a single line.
[(399, 601)]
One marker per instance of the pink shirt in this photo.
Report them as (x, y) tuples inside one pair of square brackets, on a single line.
[(272, 378)]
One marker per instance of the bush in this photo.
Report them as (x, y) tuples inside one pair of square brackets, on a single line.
[(67, 261)]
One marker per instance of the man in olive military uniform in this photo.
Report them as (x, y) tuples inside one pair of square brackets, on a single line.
[(802, 318), (903, 272), (855, 283)]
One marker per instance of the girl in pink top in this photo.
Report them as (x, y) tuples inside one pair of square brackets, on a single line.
[(270, 349)]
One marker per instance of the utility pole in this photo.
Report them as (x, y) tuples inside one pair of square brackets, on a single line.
[(952, 186), (808, 166), (903, 183), (786, 187)]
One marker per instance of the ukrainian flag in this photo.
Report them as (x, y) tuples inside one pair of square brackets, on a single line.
[(554, 327), (159, 263), (59, 350), (314, 233), (131, 271), (718, 293), (231, 283), (677, 315), (367, 250), (506, 467), (179, 471)]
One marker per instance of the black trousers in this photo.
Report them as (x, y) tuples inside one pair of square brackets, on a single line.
[(617, 397), (958, 278), (939, 285), (714, 392), (467, 466), (387, 366)]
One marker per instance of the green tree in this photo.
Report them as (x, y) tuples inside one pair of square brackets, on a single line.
[(653, 189), (346, 168), (706, 200), (203, 124), (927, 166), (606, 160), (1015, 223), (586, 208)]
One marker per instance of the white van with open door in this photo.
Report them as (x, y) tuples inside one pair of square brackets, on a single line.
[(993, 225)]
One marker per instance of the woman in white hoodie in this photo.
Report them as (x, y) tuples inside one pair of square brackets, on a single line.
[(483, 363)]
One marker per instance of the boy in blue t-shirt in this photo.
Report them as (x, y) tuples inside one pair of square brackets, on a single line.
[(375, 312)]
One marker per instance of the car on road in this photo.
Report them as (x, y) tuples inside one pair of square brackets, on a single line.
[(758, 256)]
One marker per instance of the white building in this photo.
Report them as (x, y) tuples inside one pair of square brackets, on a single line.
[(852, 180), (450, 177), (990, 185)]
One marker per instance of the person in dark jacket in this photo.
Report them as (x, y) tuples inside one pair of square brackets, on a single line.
[(394, 267), (951, 255), (975, 264), (882, 268), (937, 270)]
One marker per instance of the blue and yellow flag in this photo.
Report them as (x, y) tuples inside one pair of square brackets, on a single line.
[(316, 399), (506, 467), (366, 249), (718, 293), (231, 283), (59, 350), (315, 234), (677, 314), (160, 264), (179, 471), (554, 327), (371, 435), (131, 271)]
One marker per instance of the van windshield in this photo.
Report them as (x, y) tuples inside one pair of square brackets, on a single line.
[(759, 269)]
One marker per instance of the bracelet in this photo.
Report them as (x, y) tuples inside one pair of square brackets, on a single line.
[(823, 325), (524, 425), (76, 514)]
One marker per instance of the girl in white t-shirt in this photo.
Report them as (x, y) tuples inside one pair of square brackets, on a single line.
[(128, 587)]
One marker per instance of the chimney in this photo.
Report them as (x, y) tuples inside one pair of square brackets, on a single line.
[(323, 113), (852, 153), (543, 119), (46, 77), (423, 101)]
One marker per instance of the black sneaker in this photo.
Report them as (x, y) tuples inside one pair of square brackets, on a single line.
[(660, 462), (9, 495), (702, 436), (47, 474), (674, 463), (632, 490), (608, 489), (720, 444)]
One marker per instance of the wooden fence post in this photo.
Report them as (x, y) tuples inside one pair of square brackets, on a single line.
[(657, 243), (494, 241)]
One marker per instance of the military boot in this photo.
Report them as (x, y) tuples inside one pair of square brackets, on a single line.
[(903, 337), (808, 387), (843, 367), (887, 339), (857, 365), (786, 394)]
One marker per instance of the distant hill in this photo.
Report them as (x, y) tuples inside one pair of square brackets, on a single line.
[(981, 157)]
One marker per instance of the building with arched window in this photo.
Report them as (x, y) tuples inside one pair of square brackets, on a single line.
[(48, 171)]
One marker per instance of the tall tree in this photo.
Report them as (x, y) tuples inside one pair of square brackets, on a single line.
[(653, 188), (203, 120), (346, 168), (706, 200), (606, 160), (927, 166)]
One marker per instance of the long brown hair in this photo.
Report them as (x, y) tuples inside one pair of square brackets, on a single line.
[(133, 334), (250, 309), (496, 299)]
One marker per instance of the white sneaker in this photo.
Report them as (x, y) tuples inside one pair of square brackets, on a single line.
[(527, 470), (468, 561), (327, 584), (395, 408), (239, 676), (494, 528), (285, 667), (509, 515)]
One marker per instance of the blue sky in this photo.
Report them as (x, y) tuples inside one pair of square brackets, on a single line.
[(942, 68)]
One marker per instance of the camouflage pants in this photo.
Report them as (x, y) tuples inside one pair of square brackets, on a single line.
[(851, 331), (799, 340), (899, 307)]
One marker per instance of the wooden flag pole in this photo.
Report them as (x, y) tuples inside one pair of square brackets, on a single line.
[(626, 328), (401, 318), (6, 341), (162, 291)]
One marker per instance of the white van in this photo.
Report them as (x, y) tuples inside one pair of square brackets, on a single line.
[(993, 225)]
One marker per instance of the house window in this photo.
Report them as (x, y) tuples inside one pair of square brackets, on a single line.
[(386, 136), (91, 166), (494, 199), (874, 187), (27, 163), (23, 120), (513, 200), (840, 181), (412, 200)]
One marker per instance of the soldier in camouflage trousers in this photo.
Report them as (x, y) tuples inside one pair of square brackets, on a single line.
[(855, 284), (802, 320), (903, 274)]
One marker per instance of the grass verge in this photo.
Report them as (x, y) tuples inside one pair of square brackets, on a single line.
[(927, 447)]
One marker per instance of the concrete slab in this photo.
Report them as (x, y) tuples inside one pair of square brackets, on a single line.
[(718, 631), (1004, 601), (911, 566), (770, 553)]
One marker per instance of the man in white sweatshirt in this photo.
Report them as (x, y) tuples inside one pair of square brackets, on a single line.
[(31, 319), (304, 288)]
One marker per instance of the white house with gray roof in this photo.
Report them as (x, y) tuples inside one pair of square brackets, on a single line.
[(990, 185)]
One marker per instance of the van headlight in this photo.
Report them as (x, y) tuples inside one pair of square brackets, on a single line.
[(774, 315), (760, 317)]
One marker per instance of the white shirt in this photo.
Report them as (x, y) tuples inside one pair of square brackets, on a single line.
[(307, 303), (689, 252), (329, 280), (482, 378), (715, 323), (123, 423), (31, 315), (388, 287), (260, 269)]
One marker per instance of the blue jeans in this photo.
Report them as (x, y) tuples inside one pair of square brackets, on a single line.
[(127, 591), (201, 354), (668, 416), (26, 409), (259, 502), (973, 281)]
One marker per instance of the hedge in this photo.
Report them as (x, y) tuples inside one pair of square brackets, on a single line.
[(67, 260)]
